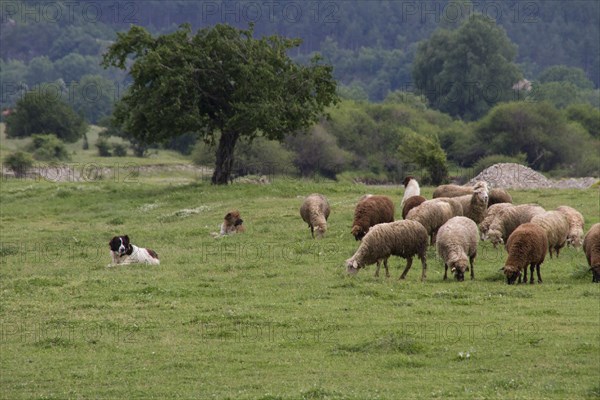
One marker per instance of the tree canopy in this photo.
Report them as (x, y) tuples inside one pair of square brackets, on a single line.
[(466, 71), (220, 80)]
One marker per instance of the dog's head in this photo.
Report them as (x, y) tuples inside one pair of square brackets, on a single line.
[(407, 180), (233, 218), (120, 245)]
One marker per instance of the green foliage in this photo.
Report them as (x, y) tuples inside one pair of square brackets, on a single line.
[(540, 131), (40, 70), (559, 94), (317, 152), (492, 159), (587, 116), (561, 73), (427, 153), (119, 150), (19, 162), (248, 85), (41, 111), (258, 157), (48, 147), (466, 71), (103, 147), (93, 97)]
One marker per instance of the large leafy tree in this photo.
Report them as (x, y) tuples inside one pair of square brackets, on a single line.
[(220, 80), (464, 72)]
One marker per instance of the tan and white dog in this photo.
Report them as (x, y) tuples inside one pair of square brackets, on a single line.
[(123, 252), (232, 223)]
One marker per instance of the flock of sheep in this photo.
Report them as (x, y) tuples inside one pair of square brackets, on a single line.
[(454, 221)]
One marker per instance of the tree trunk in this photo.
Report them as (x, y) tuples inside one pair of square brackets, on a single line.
[(224, 162)]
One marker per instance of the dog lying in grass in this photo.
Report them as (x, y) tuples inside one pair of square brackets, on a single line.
[(123, 252)]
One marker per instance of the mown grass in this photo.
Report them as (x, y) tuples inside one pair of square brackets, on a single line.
[(270, 314)]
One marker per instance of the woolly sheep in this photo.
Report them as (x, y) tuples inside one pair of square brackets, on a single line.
[(591, 247), (474, 206), (411, 188), (576, 221), (432, 214), (315, 211), (456, 244), (371, 211), (403, 238), (411, 203), (556, 227), (495, 195), (527, 245), (509, 219), (492, 212)]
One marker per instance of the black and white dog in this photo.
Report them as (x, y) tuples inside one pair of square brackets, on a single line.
[(123, 252)]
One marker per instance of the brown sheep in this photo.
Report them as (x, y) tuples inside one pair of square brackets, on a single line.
[(526, 245), (371, 211), (591, 247), (495, 195), (411, 203)]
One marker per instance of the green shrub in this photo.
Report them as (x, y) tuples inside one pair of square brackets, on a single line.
[(119, 150), (48, 147), (19, 162), (103, 147)]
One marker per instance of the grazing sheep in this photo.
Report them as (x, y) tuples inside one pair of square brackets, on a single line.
[(498, 196), (492, 212), (474, 206), (371, 211), (315, 211), (404, 238), (576, 221), (495, 195), (411, 203), (411, 188), (591, 246), (432, 214), (509, 219), (527, 245), (455, 204), (457, 246), (556, 227)]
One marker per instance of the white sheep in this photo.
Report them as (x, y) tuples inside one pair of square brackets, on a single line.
[(576, 222), (474, 206), (557, 228), (492, 212), (411, 188), (509, 219), (404, 238), (456, 244), (432, 214), (315, 211)]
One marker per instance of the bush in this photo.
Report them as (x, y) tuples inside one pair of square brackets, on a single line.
[(490, 160), (19, 162), (49, 148), (103, 148), (119, 150)]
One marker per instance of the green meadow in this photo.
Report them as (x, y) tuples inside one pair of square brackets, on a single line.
[(271, 313)]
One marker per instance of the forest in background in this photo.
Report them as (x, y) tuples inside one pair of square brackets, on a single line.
[(56, 47)]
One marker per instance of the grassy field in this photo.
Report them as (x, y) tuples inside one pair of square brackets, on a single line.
[(270, 314)]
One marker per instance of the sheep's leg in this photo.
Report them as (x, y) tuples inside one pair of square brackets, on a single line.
[(445, 271), (557, 250), (550, 251), (387, 271), (408, 265), (377, 270), (537, 267), (532, 267), (312, 231), (424, 265), (472, 270)]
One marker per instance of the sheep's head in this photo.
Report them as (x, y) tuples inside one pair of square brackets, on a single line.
[(458, 269), (358, 232), (495, 237), (352, 266), (512, 273), (320, 232), (575, 239)]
